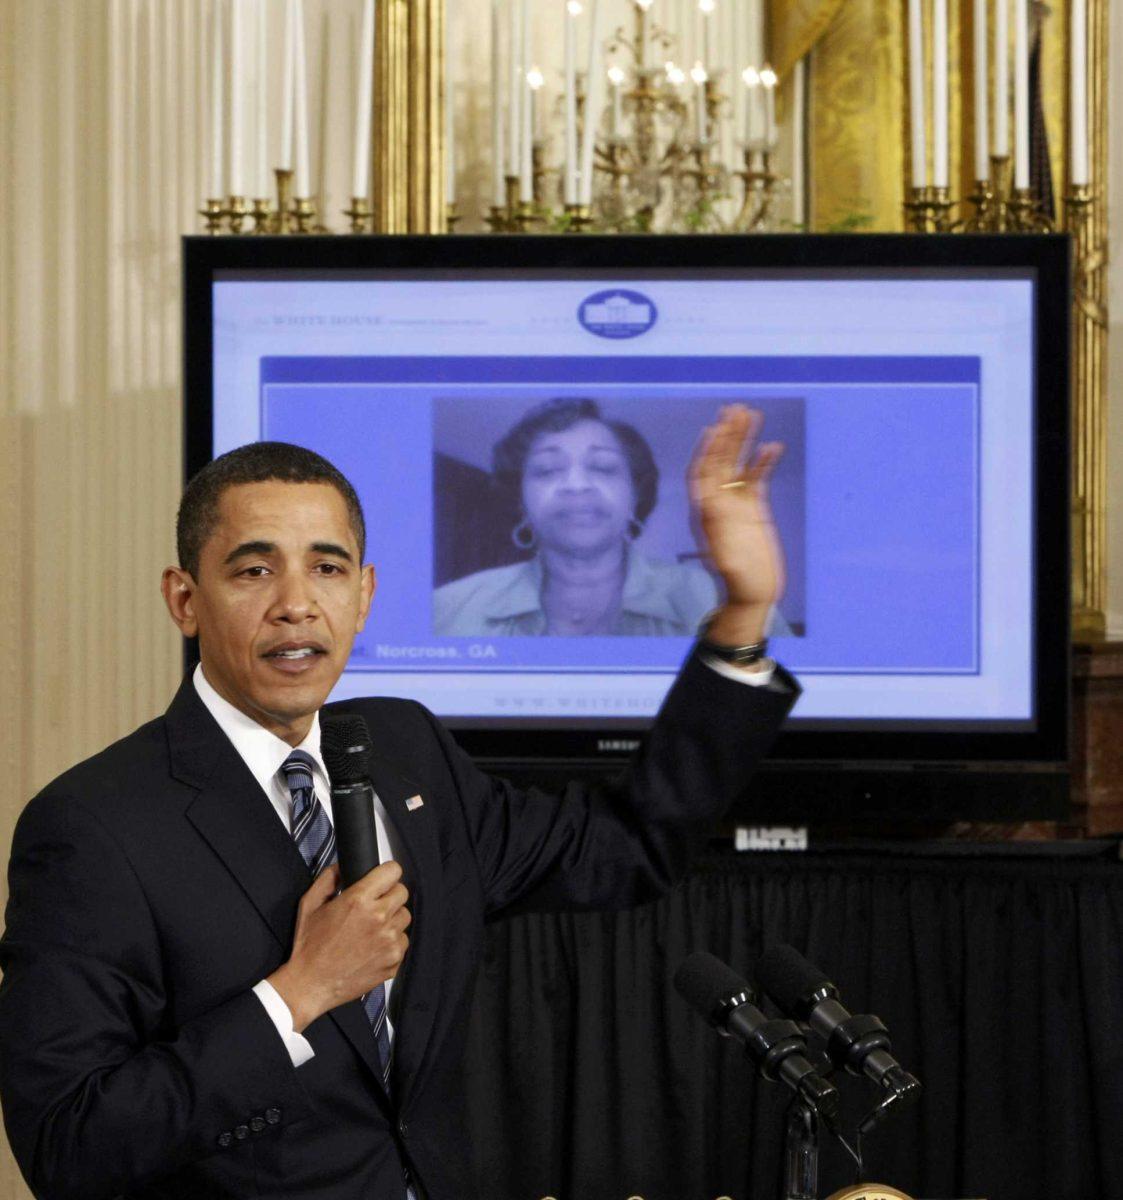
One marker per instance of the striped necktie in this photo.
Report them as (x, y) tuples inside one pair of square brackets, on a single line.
[(315, 839)]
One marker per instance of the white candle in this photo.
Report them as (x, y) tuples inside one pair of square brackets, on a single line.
[(218, 66), (697, 49), (753, 123), (940, 93), (1001, 78), (1079, 173), (643, 6), (735, 63), (515, 84), (498, 193), (569, 191), (364, 103), (798, 85), (526, 136), (594, 100), (768, 81), (302, 175), (616, 78), (982, 153), (1021, 94), (288, 88), (698, 74), (916, 96), (261, 172), (237, 110), (706, 8)]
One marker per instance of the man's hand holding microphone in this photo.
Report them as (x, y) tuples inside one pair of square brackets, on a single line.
[(344, 944)]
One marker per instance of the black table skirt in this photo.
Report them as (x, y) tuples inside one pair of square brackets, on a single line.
[(1000, 979)]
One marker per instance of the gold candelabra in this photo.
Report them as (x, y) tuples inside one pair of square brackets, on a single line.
[(993, 207), (651, 168), (285, 213)]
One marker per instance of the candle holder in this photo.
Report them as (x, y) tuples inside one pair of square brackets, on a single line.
[(526, 215), (983, 209), (499, 219), (213, 212), (941, 205), (919, 215), (1026, 214), (452, 216), (579, 218), (360, 214), (759, 184), (512, 185), (708, 179), (283, 216), (303, 213), (236, 211), (262, 214)]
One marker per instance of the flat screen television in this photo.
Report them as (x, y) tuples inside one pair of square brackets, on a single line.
[(919, 384)]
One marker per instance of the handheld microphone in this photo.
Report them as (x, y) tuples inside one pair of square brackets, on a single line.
[(346, 747), (860, 1044), (776, 1046)]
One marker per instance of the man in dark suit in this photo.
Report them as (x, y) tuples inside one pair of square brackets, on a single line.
[(181, 1014)]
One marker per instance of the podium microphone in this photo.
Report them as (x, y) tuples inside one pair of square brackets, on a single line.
[(346, 746), (860, 1044), (776, 1046)]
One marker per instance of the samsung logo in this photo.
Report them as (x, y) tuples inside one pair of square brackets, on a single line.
[(617, 313), (617, 745)]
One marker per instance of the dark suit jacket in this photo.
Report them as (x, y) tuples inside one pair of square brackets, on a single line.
[(152, 885)]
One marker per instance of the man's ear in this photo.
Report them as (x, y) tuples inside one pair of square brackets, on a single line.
[(368, 585), (178, 589)]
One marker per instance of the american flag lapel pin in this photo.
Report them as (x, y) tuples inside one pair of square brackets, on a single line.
[(414, 803)]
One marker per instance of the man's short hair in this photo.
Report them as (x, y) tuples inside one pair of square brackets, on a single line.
[(256, 463)]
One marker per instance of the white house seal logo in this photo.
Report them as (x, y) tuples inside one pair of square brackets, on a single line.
[(617, 313)]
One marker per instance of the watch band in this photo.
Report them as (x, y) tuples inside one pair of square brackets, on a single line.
[(739, 656)]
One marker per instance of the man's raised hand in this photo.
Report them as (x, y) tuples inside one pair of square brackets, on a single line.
[(728, 481)]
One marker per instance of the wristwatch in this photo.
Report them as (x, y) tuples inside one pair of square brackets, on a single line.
[(738, 656)]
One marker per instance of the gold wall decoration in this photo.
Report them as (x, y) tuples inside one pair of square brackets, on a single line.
[(408, 126), (1087, 220)]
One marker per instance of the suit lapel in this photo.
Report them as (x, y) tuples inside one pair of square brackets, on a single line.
[(417, 986), (234, 816)]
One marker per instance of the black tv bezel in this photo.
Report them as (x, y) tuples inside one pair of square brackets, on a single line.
[(1014, 775)]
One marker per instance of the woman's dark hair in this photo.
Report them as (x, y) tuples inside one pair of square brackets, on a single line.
[(255, 463), (508, 457)]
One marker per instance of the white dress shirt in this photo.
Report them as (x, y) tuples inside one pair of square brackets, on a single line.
[(263, 752)]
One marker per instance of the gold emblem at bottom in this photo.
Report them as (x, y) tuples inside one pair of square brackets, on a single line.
[(869, 1191)]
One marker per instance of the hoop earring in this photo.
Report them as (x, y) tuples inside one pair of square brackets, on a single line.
[(524, 536), (635, 528)]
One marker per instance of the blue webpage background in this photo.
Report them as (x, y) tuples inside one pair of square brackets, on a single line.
[(891, 496)]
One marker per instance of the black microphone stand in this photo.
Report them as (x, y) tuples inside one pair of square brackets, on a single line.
[(802, 1142), (801, 1152)]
